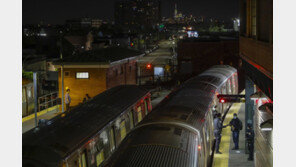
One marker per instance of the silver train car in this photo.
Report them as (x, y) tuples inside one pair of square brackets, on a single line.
[(88, 134), (179, 131)]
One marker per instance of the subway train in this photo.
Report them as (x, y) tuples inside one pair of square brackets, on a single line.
[(88, 134), (179, 131), (27, 99)]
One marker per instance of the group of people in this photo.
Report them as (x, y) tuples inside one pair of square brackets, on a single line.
[(236, 127)]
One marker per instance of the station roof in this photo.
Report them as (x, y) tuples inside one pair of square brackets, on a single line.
[(100, 56)]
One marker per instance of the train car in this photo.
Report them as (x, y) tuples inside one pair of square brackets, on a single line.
[(88, 134), (27, 99), (179, 131)]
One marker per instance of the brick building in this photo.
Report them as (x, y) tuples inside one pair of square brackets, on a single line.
[(95, 71), (197, 55)]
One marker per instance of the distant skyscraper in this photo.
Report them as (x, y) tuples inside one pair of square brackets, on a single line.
[(176, 11), (137, 13)]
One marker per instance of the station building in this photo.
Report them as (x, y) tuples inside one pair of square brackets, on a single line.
[(256, 53), (198, 54), (95, 71)]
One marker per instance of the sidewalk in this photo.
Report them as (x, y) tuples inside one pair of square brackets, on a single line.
[(229, 157)]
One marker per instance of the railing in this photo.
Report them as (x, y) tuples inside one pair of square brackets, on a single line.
[(47, 101)]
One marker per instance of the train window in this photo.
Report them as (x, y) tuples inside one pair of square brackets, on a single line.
[(139, 111), (112, 139), (146, 106), (100, 157), (29, 93), (122, 130), (131, 119), (229, 86), (224, 89)]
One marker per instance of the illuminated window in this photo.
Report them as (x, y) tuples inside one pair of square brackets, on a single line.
[(82, 75)]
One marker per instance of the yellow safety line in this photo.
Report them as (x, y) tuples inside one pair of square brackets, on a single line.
[(221, 160), (40, 113)]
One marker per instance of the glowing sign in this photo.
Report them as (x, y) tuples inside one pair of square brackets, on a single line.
[(192, 34)]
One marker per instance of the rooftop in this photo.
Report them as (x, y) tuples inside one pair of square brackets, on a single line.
[(106, 55)]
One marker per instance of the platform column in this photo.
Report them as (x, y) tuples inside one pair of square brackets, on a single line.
[(249, 106), (35, 97)]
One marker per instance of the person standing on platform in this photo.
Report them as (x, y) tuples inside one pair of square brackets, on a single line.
[(236, 126), (250, 141), (217, 131), (67, 99)]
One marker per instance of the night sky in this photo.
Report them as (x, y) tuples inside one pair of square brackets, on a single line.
[(57, 11)]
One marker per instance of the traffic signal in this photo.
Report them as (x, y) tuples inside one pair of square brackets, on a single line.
[(132, 44), (226, 98)]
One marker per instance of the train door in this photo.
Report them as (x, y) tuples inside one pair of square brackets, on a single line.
[(201, 148), (210, 129), (112, 139), (205, 144)]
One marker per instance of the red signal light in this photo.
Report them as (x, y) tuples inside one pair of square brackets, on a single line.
[(199, 147), (222, 100), (148, 66)]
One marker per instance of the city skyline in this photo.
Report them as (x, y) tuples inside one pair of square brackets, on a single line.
[(42, 10)]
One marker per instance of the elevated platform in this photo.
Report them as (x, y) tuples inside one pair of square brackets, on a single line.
[(29, 122), (229, 157)]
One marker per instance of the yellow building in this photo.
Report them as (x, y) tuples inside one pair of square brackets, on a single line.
[(95, 71)]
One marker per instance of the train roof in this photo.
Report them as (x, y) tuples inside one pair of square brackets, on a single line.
[(188, 105), (148, 150), (67, 131)]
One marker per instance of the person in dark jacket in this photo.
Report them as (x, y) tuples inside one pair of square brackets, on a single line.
[(250, 141), (236, 126), (217, 131)]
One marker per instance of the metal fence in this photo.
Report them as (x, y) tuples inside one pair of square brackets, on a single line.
[(47, 101)]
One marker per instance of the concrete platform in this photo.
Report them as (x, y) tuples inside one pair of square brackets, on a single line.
[(229, 157)]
